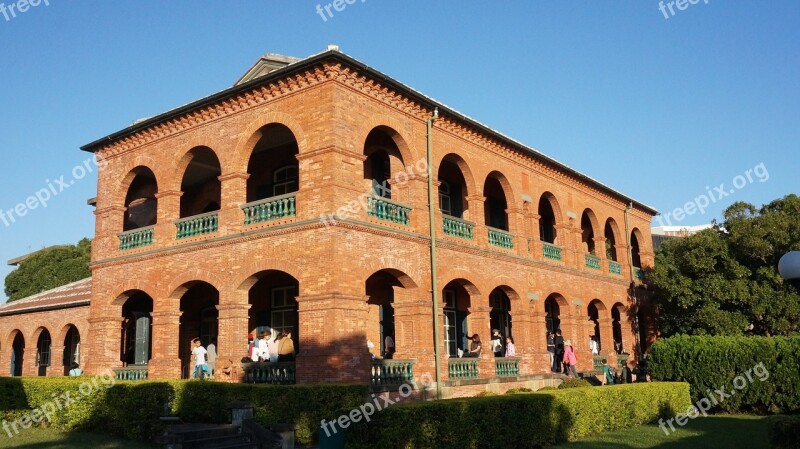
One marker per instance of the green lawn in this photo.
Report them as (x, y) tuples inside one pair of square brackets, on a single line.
[(54, 439), (730, 432)]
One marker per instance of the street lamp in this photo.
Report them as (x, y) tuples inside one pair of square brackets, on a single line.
[(789, 268)]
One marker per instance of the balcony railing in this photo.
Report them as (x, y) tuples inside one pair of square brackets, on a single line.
[(198, 225), (136, 238), (132, 373), (506, 366), (387, 373), (550, 251), (614, 267), (638, 273), (270, 209), (387, 210), (592, 262), (622, 360), (281, 373), (597, 363), (462, 368), (457, 227), (498, 237)]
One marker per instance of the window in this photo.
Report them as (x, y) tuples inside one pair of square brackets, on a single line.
[(283, 316), (445, 199), (450, 337), (43, 353), (285, 180)]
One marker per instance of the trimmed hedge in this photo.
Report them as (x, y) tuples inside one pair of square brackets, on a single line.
[(132, 409), (710, 363), (520, 420), (784, 432)]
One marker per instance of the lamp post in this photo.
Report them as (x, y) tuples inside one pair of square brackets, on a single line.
[(789, 268)]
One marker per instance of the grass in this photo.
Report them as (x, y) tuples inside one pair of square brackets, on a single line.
[(38, 438), (730, 432)]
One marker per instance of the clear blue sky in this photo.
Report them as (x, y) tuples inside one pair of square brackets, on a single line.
[(656, 108)]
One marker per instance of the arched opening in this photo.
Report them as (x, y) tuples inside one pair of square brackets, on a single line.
[(273, 306), (141, 205), (137, 330), (635, 257), (17, 354), (547, 220), (552, 309), (199, 319), (616, 317), (452, 188), (496, 204), (611, 240), (383, 159), (380, 290), (72, 349), (500, 317), (456, 302), (273, 166), (201, 187), (43, 346), (587, 233), (595, 309)]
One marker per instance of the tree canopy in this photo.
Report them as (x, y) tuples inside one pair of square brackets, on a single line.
[(725, 280), (49, 269)]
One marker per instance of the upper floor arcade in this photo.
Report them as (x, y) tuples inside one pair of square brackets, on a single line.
[(327, 140)]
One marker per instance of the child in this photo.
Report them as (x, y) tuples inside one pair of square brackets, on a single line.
[(199, 353), (511, 350)]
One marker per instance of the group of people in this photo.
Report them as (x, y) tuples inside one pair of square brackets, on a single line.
[(271, 347), (562, 355), (625, 375), (496, 345)]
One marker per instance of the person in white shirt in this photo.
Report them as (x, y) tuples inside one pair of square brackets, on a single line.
[(212, 356), (199, 353), (594, 346), (388, 347)]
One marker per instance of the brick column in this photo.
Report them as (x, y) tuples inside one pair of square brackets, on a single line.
[(480, 323), (524, 335), (538, 344), (104, 339), (169, 210), (234, 194), (333, 342), (413, 323), (517, 226), (600, 251), (29, 366), (56, 368), (606, 336), (475, 214), (164, 361), (565, 239), (108, 224), (234, 323)]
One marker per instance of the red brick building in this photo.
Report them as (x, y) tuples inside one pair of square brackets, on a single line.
[(298, 200)]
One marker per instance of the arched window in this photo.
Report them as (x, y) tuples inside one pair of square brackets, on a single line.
[(284, 180), (445, 201), (43, 352)]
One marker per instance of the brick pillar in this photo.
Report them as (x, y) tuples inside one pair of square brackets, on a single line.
[(607, 336), (104, 342), (413, 191), (169, 210), (29, 366), (413, 322), (475, 214), (333, 342), (164, 361), (517, 226), (565, 239), (234, 323), (600, 251), (108, 224), (524, 335), (56, 368), (234, 194), (538, 344), (480, 323)]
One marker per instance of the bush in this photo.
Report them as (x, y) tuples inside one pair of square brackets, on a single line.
[(519, 391), (784, 432), (574, 383), (711, 363), (485, 394), (132, 409), (521, 420), (548, 388)]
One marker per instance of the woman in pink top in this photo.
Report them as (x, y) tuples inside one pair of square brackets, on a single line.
[(570, 359)]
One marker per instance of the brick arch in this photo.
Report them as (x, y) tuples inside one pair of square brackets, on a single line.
[(181, 164), (505, 184), (118, 198), (12, 336), (614, 230), (179, 284), (602, 310), (405, 280), (466, 172), (247, 276), (123, 292), (395, 130), (598, 231), (504, 283), (62, 332), (462, 278), (38, 333), (554, 204), (563, 304), (251, 134)]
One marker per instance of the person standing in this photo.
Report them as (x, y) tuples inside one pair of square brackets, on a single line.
[(212, 355), (594, 346), (511, 350), (551, 350), (76, 370), (559, 344), (496, 343), (285, 347), (199, 353), (388, 347), (570, 359)]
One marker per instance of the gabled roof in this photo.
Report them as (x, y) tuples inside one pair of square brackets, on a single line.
[(333, 54), (67, 296)]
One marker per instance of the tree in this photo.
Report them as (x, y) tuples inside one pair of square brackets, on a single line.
[(49, 269), (725, 280)]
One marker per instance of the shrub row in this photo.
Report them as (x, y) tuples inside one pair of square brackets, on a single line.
[(784, 432), (520, 420), (711, 363), (133, 409)]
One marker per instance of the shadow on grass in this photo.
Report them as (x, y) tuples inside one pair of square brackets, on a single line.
[(38, 438)]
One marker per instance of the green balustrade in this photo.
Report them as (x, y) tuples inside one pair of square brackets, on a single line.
[(270, 209), (387, 373), (198, 225), (597, 363), (136, 238), (638, 273), (281, 373), (386, 210), (551, 252), (498, 237), (614, 267), (462, 368), (622, 360), (506, 366), (131, 373), (457, 227), (592, 262)]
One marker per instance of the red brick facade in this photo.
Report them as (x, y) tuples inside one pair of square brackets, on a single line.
[(345, 123)]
